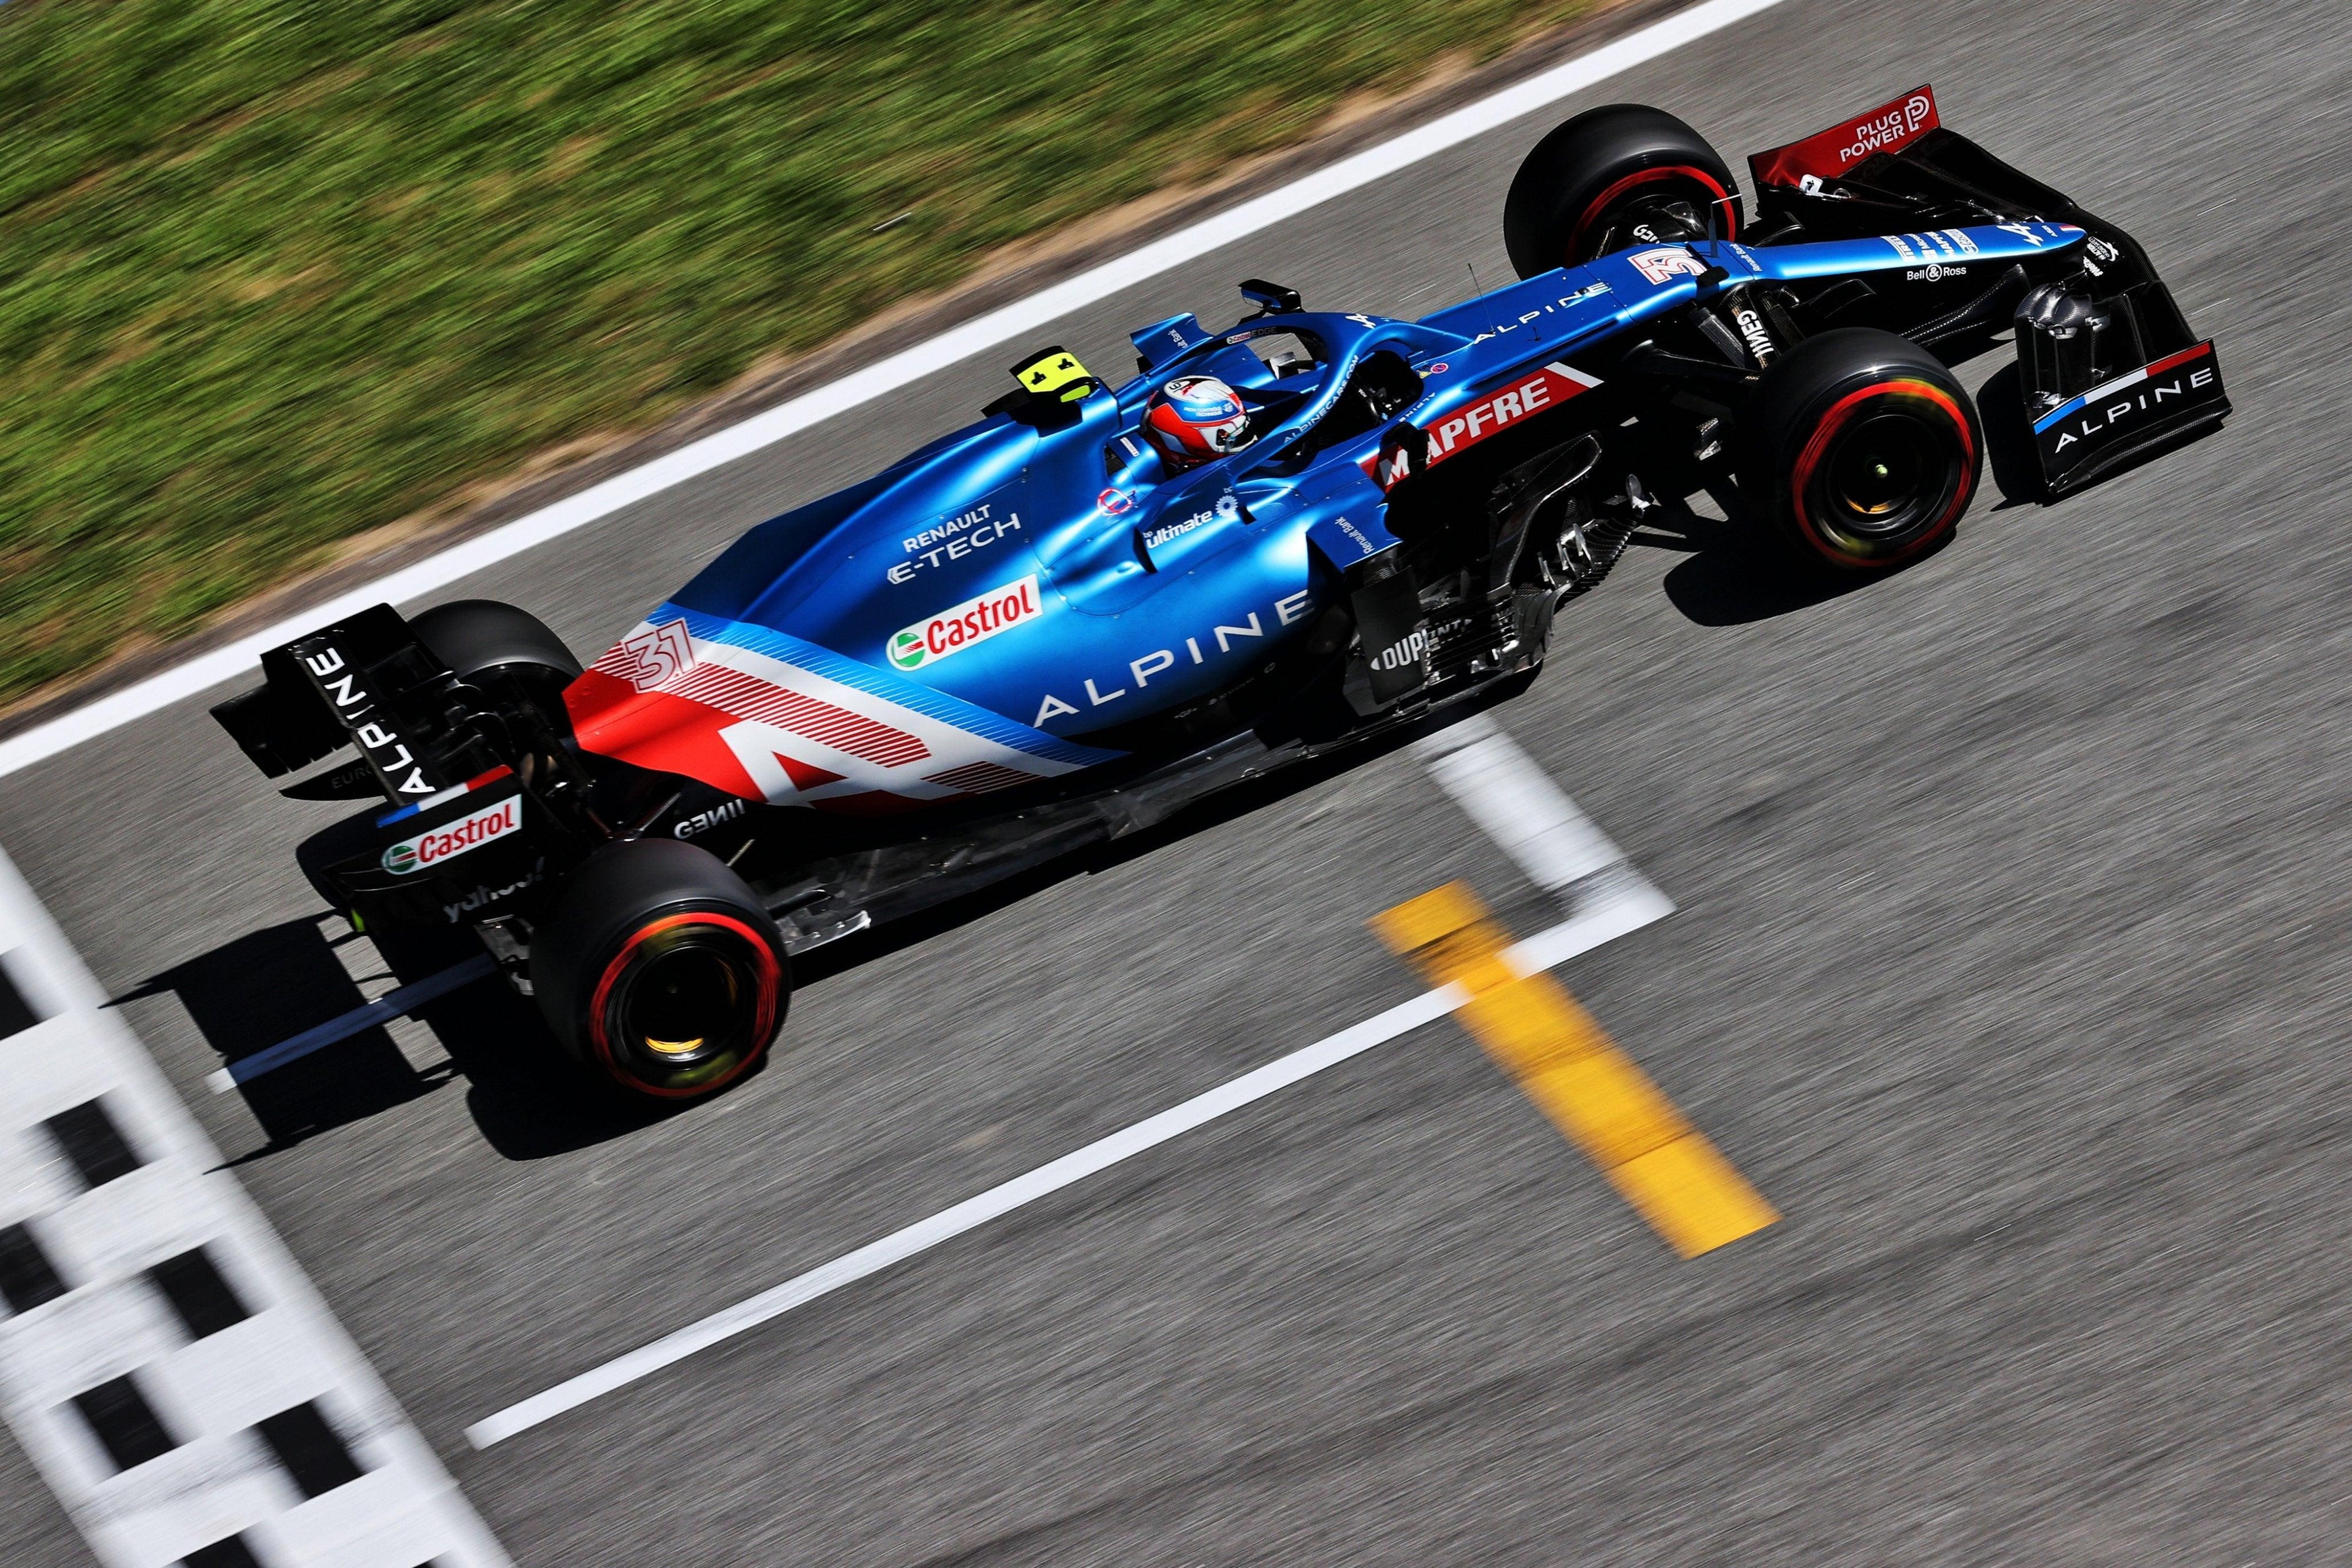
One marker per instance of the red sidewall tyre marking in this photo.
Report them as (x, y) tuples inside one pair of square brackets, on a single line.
[(770, 976), (1634, 181), (1843, 413)]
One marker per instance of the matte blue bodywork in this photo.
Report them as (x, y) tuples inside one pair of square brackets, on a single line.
[(1161, 588)]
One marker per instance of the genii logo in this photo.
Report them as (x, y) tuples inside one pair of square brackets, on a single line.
[(959, 626), (434, 845)]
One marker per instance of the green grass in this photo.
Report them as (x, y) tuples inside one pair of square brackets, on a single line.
[(276, 272)]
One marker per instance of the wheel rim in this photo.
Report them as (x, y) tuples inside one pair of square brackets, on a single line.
[(686, 1004), (1888, 471), (1651, 206), (1877, 476)]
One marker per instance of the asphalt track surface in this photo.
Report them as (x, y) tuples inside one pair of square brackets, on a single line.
[(2009, 966)]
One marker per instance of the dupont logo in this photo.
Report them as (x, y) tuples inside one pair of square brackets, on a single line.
[(1407, 650), (959, 626), (434, 845)]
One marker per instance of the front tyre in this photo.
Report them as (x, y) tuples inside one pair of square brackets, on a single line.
[(1862, 449), (1620, 176), (658, 967)]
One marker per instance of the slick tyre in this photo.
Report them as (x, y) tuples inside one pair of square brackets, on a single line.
[(1860, 449), (659, 968), (1623, 174)]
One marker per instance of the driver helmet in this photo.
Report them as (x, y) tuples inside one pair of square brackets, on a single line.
[(1193, 419)]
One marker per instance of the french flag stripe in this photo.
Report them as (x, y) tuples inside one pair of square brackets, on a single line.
[(2169, 362), (451, 793)]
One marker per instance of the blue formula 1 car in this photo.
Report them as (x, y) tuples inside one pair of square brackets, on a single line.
[(1287, 535)]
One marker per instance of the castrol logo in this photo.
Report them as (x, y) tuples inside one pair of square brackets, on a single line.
[(434, 845), (959, 626)]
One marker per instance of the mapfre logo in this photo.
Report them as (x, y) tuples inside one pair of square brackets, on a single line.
[(959, 626), (1658, 266), (437, 844), (654, 655)]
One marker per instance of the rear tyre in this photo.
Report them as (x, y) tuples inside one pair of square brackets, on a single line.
[(482, 638), (659, 968), (1621, 175), (1862, 449)]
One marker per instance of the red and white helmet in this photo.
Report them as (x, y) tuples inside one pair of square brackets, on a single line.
[(1195, 418)]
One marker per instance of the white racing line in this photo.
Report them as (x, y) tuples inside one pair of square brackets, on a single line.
[(1503, 793), (166, 1366), (1515, 803), (236, 659)]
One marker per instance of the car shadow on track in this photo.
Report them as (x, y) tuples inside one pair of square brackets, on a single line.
[(1227, 805), (269, 985), (530, 1102), (1734, 572), (1737, 573)]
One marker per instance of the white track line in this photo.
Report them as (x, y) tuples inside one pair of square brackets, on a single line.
[(236, 659), (215, 1481), (1607, 918), (367, 1015), (1516, 803)]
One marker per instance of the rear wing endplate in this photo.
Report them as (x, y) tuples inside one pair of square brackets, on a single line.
[(341, 687)]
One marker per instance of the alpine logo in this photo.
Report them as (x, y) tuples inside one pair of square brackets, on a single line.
[(959, 626), (2179, 378), (337, 681), (765, 716), (452, 839)]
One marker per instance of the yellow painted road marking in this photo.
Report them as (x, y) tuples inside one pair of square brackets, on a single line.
[(1576, 1075)]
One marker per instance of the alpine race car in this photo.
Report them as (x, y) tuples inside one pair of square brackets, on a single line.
[(1038, 633)]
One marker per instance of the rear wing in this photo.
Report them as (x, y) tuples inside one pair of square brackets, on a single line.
[(366, 682), (2108, 329)]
